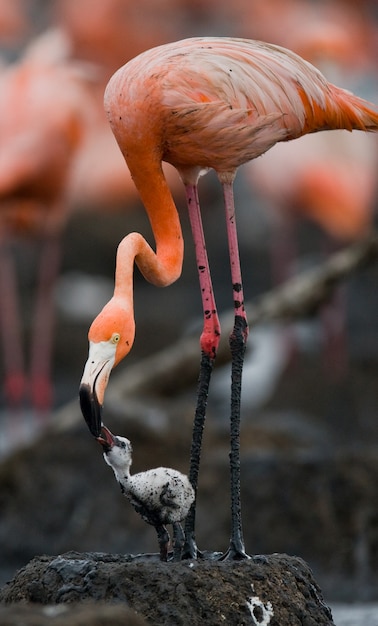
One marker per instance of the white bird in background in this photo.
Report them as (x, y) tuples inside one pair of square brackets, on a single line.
[(161, 496)]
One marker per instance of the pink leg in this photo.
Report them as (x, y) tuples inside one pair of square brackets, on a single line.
[(335, 353), (333, 320), (209, 344), (11, 330), (238, 342), (283, 255), (43, 326)]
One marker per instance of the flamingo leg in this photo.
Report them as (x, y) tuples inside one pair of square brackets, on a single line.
[(10, 323), (283, 253), (178, 541), (209, 344), (43, 324), (163, 539), (333, 318), (238, 342)]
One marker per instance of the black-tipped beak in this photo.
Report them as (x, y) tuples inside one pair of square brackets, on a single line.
[(91, 409)]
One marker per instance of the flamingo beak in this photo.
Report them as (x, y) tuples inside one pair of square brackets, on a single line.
[(106, 439), (91, 409), (93, 384)]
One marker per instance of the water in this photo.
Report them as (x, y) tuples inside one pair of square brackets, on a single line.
[(355, 614)]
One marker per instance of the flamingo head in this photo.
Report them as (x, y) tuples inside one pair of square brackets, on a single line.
[(111, 337)]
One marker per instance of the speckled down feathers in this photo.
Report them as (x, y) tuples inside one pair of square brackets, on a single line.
[(164, 491), (161, 495)]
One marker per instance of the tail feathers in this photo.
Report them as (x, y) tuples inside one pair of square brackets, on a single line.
[(352, 112), (337, 109)]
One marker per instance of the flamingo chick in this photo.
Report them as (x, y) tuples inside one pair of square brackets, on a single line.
[(200, 104), (161, 496)]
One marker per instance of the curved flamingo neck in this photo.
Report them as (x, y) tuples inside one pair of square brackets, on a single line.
[(164, 266)]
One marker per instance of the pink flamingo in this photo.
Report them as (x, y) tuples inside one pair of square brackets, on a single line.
[(311, 179), (200, 104), (14, 24), (43, 114)]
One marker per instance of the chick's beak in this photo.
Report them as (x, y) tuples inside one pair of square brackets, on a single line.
[(93, 384), (106, 439)]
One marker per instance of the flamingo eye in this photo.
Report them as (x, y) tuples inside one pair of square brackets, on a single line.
[(115, 338)]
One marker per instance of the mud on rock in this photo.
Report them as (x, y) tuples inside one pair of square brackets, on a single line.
[(276, 590)]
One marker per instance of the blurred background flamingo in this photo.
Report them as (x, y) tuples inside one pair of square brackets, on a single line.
[(330, 181), (44, 110)]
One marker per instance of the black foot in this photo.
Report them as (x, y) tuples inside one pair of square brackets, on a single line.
[(190, 550), (234, 555), (235, 552)]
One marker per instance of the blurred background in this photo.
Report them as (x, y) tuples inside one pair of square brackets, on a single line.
[(309, 427)]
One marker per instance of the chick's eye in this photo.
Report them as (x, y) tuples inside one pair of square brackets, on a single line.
[(115, 338)]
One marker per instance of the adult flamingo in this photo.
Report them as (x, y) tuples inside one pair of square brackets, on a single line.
[(44, 111), (201, 103), (311, 179)]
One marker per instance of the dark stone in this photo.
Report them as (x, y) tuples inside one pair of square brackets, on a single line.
[(75, 614), (277, 590)]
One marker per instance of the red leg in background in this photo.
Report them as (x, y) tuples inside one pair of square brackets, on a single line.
[(43, 325)]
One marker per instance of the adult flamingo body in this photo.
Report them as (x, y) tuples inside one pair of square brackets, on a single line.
[(44, 112), (201, 103)]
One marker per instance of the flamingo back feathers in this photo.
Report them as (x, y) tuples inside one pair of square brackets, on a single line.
[(218, 103)]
